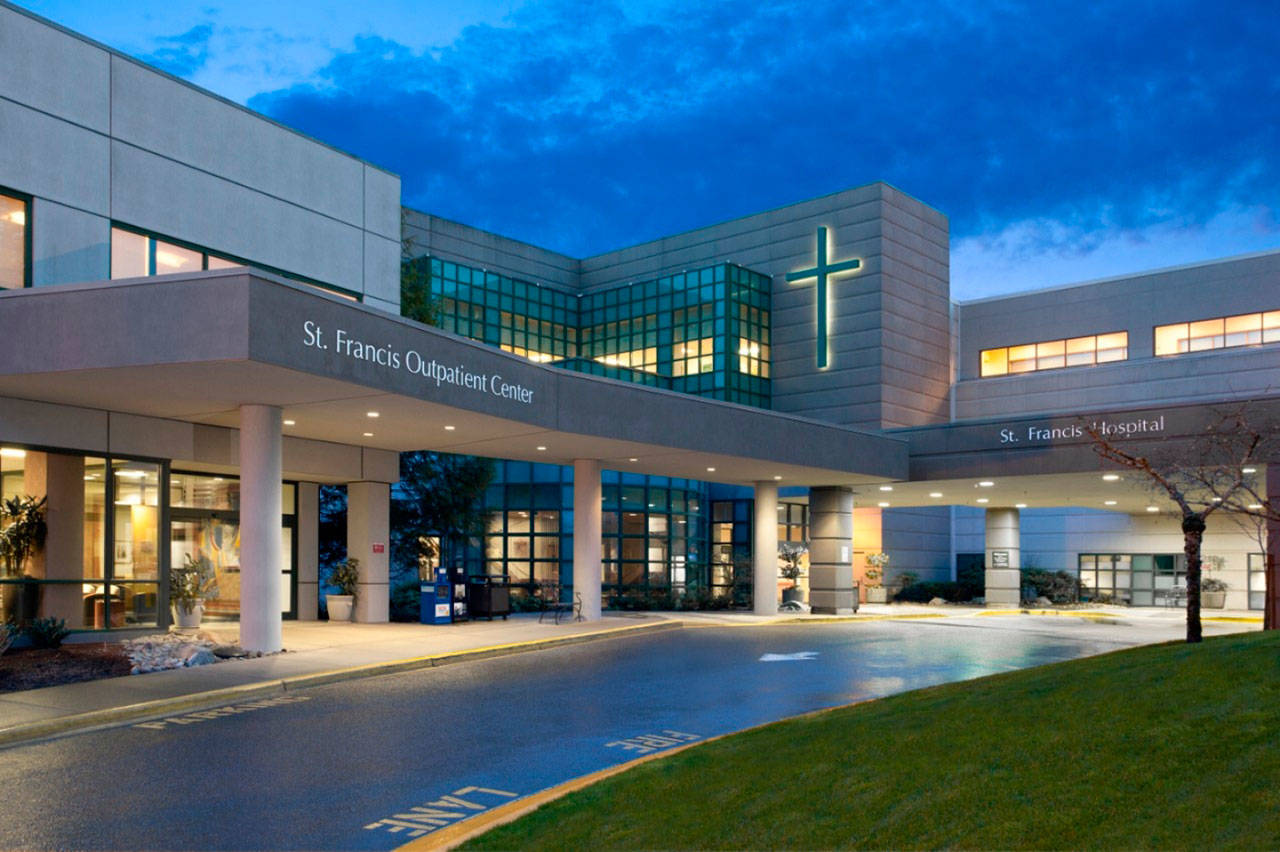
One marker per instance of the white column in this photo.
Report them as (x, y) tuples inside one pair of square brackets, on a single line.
[(308, 532), (831, 551), (588, 571), (764, 550), (260, 562), (1003, 558), (368, 529)]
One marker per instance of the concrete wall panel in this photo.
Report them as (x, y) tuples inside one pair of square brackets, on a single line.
[(68, 245), (53, 71), (50, 158)]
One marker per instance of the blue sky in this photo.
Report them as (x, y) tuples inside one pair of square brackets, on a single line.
[(1064, 141)]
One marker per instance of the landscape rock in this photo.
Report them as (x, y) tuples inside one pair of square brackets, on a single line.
[(1043, 601), (937, 602), (229, 652)]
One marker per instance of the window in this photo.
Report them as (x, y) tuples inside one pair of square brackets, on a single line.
[(15, 238), (1055, 354), (1221, 333), (138, 255)]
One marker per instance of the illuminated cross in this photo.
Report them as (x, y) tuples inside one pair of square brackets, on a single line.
[(821, 271)]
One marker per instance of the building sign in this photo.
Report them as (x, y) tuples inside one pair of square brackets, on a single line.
[(821, 271), (999, 559), (412, 361), (379, 547), (1039, 433)]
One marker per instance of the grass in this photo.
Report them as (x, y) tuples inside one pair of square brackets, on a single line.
[(1166, 747)]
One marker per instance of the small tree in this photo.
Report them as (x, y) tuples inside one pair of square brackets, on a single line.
[(1201, 477), (791, 553)]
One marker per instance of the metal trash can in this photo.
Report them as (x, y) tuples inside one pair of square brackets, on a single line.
[(488, 596)]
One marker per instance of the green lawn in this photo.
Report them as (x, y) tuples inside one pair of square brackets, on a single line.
[(1168, 747)]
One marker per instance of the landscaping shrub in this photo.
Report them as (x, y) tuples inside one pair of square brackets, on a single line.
[(930, 589), (972, 581), (406, 601), (47, 632), (1058, 586)]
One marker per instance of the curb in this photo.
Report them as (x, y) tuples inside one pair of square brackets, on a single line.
[(111, 716)]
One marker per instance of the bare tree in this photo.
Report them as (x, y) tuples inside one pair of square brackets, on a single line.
[(1213, 471)]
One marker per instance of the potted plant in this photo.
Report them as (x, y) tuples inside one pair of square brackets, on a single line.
[(345, 576), (876, 592), (1213, 593), (189, 586), (22, 533), (791, 554)]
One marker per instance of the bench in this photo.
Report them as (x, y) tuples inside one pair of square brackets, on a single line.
[(549, 601)]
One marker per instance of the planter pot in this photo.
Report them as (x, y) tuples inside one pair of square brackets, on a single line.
[(187, 619), (877, 595), (1213, 600), (339, 607), (792, 595)]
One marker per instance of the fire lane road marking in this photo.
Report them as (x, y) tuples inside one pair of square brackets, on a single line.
[(446, 810), (219, 712), (646, 743)]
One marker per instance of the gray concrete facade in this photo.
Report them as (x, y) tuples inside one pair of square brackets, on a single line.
[(96, 138)]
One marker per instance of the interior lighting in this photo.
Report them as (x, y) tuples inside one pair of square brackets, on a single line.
[(883, 505), (12, 453), (983, 500), (986, 483), (1249, 470), (130, 474), (18, 217), (1153, 508), (1110, 477), (935, 494), (291, 422), (450, 428), (1108, 502), (1217, 499), (374, 414), (886, 487), (1255, 506)]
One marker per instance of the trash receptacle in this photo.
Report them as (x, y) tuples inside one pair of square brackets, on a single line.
[(488, 596)]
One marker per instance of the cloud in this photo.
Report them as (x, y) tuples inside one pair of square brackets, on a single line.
[(182, 55), (585, 132)]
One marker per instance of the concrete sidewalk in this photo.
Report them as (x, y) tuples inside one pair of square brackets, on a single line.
[(320, 652)]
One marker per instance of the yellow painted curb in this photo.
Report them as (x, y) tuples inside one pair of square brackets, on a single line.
[(452, 836), (111, 716)]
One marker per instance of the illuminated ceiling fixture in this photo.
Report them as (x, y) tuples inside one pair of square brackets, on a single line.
[(372, 414), (1249, 470), (291, 422), (12, 453), (18, 217), (368, 434), (541, 449), (711, 470), (1018, 505), (1153, 508), (450, 428), (886, 487), (1110, 477), (883, 505), (1108, 502), (935, 494), (986, 483), (983, 500), (1255, 506), (777, 477)]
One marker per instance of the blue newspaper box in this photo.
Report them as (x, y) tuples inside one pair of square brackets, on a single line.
[(436, 599)]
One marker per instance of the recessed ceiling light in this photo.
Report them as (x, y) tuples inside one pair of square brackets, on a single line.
[(777, 477), (372, 414), (1249, 470), (983, 500), (1217, 499), (1255, 505), (711, 470), (368, 434), (935, 493), (886, 487), (217, 479), (883, 505), (450, 428), (986, 483), (1108, 502), (633, 460), (291, 422), (1019, 505), (1110, 477), (541, 449), (1153, 508)]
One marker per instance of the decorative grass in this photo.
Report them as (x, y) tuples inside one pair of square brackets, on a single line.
[(1164, 747)]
